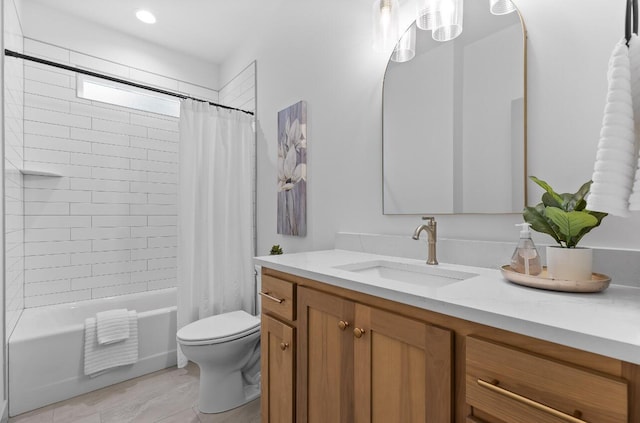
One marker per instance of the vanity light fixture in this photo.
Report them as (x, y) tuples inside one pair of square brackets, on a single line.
[(426, 13), (385, 24), (501, 7), (443, 17), (406, 48), (447, 23), (146, 16)]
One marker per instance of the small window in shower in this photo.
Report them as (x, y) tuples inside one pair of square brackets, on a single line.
[(124, 95)]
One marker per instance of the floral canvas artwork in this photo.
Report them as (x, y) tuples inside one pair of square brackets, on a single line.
[(292, 170)]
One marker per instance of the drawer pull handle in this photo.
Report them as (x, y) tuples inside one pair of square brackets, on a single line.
[(493, 386), (272, 298), (342, 324), (284, 345), (357, 332)]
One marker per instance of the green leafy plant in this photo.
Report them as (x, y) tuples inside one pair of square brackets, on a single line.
[(275, 250), (563, 216)]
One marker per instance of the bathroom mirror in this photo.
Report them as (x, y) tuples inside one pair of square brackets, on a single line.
[(454, 120)]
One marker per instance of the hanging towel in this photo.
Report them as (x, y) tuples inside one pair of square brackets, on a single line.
[(112, 326), (617, 156), (634, 61), (100, 358)]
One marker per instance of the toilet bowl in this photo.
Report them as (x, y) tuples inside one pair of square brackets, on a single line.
[(223, 346)]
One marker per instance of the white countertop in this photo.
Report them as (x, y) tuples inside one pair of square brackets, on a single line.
[(606, 323)]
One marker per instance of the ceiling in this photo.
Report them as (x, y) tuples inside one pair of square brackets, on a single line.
[(206, 29)]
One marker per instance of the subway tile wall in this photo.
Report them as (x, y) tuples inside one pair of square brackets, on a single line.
[(107, 225), (240, 92), (13, 161)]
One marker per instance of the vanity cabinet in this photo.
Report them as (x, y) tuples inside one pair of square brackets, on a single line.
[(354, 357), (362, 364)]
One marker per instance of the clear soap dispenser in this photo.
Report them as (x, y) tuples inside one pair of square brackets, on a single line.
[(525, 258)]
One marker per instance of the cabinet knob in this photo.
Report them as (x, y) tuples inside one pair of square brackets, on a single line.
[(357, 332), (284, 346), (343, 325)]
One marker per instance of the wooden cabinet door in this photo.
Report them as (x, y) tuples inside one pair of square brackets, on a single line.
[(277, 366), (403, 369), (325, 358)]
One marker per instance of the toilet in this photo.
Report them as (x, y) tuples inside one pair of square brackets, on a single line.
[(226, 348)]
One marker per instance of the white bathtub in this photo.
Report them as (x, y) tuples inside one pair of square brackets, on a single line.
[(46, 348)]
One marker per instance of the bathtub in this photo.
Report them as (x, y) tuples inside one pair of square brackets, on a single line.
[(46, 348)]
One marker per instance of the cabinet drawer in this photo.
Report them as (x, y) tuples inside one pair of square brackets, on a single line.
[(521, 387), (278, 297)]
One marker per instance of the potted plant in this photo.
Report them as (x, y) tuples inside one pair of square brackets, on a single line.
[(275, 250), (565, 218)]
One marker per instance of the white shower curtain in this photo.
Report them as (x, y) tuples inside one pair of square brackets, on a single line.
[(215, 213)]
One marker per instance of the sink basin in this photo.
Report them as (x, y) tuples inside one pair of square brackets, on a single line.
[(424, 275)]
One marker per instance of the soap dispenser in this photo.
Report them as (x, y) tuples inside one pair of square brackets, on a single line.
[(525, 258)]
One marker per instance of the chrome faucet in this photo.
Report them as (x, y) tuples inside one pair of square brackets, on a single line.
[(430, 227)]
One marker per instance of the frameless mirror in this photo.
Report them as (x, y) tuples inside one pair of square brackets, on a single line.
[(454, 120)]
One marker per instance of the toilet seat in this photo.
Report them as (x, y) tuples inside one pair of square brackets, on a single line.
[(219, 328)]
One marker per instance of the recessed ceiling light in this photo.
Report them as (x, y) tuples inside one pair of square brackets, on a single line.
[(146, 16)]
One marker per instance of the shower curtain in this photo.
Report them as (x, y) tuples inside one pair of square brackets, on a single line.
[(215, 212)]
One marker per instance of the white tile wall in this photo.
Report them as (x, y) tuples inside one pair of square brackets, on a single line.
[(240, 92), (13, 159), (108, 225)]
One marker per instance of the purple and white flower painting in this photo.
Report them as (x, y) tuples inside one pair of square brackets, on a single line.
[(292, 170)]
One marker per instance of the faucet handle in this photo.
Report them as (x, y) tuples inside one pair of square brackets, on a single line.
[(430, 219)]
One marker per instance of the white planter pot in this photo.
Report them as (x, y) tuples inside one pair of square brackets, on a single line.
[(571, 264)]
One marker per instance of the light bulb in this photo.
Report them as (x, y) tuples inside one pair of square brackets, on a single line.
[(385, 24)]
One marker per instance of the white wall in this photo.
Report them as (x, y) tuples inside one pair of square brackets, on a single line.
[(13, 161), (11, 251), (49, 25), (325, 58)]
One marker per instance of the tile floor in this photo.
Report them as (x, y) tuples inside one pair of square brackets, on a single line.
[(166, 396)]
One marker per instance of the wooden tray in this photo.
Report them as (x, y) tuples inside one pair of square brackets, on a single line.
[(598, 282)]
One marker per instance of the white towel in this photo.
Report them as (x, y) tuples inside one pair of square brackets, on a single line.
[(99, 358), (634, 61), (112, 326), (617, 152)]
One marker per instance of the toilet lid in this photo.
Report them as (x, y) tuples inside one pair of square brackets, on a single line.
[(219, 328)]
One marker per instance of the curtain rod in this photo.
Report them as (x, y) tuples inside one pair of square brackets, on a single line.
[(11, 53)]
